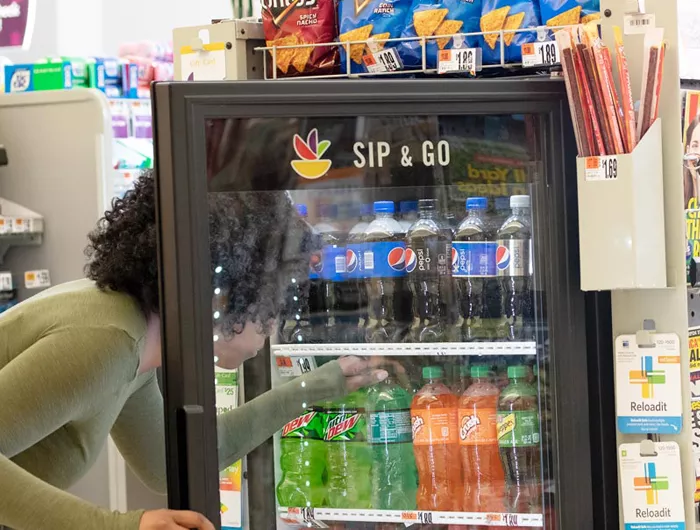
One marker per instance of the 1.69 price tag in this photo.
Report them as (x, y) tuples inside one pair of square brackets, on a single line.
[(540, 54), (599, 168), (383, 61), (459, 60)]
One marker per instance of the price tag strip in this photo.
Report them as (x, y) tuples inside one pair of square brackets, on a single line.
[(292, 351), (459, 60), (540, 54), (408, 518), (601, 168)]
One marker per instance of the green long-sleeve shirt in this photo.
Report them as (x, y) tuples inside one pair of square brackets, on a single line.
[(69, 361)]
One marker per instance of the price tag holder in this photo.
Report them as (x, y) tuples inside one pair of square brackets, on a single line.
[(37, 279), (456, 60), (540, 54), (383, 61), (601, 168)]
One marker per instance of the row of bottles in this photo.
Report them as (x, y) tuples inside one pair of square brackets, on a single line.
[(416, 280), (390, 448)]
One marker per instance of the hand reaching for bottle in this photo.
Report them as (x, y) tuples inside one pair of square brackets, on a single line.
[(174, 520), (361, 372)]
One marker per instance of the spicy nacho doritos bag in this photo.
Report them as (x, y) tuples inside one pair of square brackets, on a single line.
[(295, 23), (429, 18), (368, 20), (569, 12), (507, 15)]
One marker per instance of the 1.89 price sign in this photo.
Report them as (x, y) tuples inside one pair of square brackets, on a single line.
[(540, 54)]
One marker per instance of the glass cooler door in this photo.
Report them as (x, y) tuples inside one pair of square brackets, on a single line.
[(429, 246)]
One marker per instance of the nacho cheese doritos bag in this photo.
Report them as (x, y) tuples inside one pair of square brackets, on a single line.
[(569, 12), (298, 22), (429, 18), (368, 20), (507, 15)]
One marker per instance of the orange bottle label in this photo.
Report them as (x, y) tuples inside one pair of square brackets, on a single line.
[(434, 426), (478, 426)]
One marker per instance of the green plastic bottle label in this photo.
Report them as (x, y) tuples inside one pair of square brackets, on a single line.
[(348, 426), (519, 428), (390, 427), (308, 425)]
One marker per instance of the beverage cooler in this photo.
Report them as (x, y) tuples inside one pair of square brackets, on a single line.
[(422, 229)]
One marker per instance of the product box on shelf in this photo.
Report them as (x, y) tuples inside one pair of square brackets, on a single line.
[(39, 76)]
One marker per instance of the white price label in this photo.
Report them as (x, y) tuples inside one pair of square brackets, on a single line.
[(5, 225), (294, 366), (639, 23), (306, 516), (540, 54), (383, 61), (601, 168), (21, 225), (459, 60), (303, 365), (37, 279), (5, 281)]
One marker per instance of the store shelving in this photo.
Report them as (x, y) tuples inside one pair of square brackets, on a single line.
[(406, 349), (307, 516), (19, 226)]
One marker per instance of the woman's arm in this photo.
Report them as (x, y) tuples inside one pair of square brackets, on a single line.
[(43, 389)]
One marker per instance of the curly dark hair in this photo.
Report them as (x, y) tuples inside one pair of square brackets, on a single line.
[(258, 243)]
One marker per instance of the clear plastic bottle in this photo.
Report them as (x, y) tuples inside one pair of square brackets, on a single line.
[(353, 303)]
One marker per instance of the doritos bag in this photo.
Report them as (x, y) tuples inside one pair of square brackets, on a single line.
[(297, 22), (363, 20), (438, 17), (507, 15), (569, 12)]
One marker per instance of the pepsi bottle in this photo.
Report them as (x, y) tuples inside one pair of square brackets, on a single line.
[(355, 291), (428, 253), (327, 275), (295, 326), (385, 273), (514, 268), (473, 262)]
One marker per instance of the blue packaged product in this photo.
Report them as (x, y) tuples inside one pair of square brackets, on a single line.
[(365, 20), (430, 18), (569, 12), (508, 15)]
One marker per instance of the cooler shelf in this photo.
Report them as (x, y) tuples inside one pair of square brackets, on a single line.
[(406, 349), (306, 517)]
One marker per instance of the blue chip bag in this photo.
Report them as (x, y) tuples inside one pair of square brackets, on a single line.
[(438, 17), (508, 15), (362, 20), (569, 12)]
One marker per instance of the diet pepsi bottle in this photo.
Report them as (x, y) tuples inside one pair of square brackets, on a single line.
[(385, 273), (355, 291), (327, 275), (295, 326), (473, 263), (514, 269), (428, 255), (409, 214)]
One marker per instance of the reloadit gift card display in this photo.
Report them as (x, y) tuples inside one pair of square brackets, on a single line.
[(648, 384), (652, 487)]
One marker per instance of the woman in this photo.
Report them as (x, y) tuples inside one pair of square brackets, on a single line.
[(690, 164), (78, 361)]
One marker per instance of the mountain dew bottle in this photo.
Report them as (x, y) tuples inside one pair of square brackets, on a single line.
[(349, 460), (303, 462)]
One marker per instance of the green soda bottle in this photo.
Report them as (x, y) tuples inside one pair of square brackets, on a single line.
[(303, 461), (394, 480), (349, 460)]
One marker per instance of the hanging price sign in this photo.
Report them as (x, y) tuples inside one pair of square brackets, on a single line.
[(601, 168), (459, 60), (540, 54), (383, 61)]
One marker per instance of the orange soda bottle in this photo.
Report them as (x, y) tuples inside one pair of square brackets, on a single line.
[(436, 444), (484, 480)]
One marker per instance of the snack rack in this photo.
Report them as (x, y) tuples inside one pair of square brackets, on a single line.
[(544, 35)]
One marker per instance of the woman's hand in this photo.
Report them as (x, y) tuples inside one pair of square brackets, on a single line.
[(362, 372), (174, 520)]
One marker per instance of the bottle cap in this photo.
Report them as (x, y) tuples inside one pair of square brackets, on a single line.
[(427, 205), (477, 203), (384, 207), (365, 209), (517, 372), (520, 201), (408, 206), (480, 370), (328, 211), (432, 372), (302, 210)]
